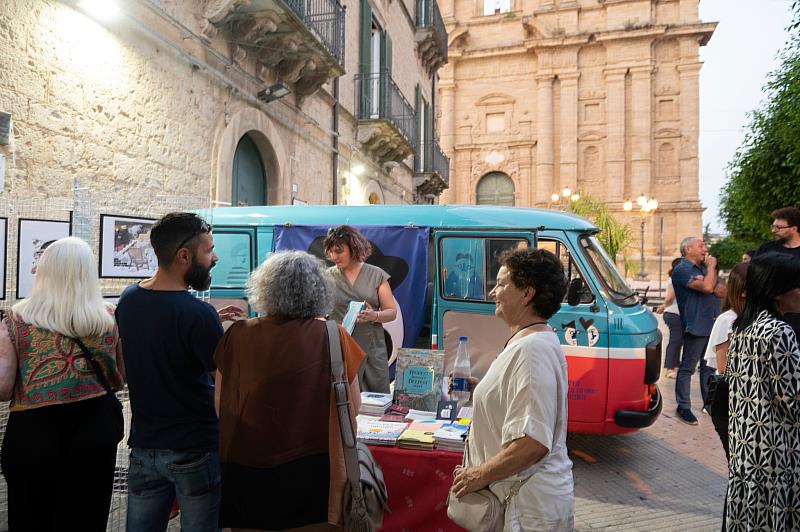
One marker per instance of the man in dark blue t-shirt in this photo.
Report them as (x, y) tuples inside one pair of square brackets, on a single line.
[(694, 280), (168, 338)]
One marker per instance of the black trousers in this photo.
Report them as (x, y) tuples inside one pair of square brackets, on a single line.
[(58, 462)]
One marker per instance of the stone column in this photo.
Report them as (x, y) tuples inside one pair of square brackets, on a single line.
[(641, 125), (544, 138), (447, 133), (615, 140), (690, 116), (569, 129)]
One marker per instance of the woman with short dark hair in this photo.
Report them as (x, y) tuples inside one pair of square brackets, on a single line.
[(519, 426), (358, 281), (280, 449), (763, 373)]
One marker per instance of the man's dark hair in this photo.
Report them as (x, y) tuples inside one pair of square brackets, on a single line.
[(790, 214), (542, 271), (174, 231), (768, 276)]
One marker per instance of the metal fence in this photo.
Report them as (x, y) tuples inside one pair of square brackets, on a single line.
[(379, 97), (325, 18), (429, 16)]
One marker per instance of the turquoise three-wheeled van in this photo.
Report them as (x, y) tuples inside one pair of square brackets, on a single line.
[(443, 263)]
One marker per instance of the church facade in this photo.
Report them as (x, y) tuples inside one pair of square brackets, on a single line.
[(596, 96)]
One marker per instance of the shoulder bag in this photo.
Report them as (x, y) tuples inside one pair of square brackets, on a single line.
[(113, 404), (481, 510), (717, 395), (365, 492)]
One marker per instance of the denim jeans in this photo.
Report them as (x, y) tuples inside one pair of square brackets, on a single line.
[(672, 359), (694, 348), (156, 477)]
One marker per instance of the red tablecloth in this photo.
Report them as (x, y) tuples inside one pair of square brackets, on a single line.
[(418, 483)]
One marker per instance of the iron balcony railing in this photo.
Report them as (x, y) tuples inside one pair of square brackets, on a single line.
[(428, 15), (379, 98), (431, 159), (325, 18)]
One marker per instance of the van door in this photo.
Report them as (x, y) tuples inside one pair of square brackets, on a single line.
[(465, 273), (583, 332)]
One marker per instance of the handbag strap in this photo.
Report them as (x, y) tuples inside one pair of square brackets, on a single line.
[(95, 364), (341, 395), (465, 462)]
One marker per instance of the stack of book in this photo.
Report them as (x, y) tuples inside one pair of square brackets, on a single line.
[(419, 435), (372, 431), (375, 404), (451, 437)]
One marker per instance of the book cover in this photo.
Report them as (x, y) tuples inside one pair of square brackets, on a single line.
[(353, 310), (418, 382)]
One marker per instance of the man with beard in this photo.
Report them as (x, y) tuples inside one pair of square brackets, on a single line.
[(169, 337), (786, 229)]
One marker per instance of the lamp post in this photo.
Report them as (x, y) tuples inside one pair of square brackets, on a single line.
[(563, 199), (647, 206)]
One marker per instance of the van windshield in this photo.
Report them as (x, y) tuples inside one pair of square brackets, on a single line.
[(604, 266)]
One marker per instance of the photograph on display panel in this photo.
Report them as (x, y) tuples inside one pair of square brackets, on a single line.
[(125, 250), (34, 237)]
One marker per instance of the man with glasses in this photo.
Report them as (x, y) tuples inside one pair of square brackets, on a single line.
[(168, 339), (786, 230)]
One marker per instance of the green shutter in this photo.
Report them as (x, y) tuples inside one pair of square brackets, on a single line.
[(428, 125), (364, 57), (386, 72), (417, 104)]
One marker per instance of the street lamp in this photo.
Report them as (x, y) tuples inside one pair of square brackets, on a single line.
[(564, 199), (647, 206)]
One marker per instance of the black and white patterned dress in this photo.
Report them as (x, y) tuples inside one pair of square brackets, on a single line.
[(764, 427)]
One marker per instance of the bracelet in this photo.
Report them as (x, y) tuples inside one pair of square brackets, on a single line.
[(377, 315)]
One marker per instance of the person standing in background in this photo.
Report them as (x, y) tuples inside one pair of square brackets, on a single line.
[(356, 280), (672, 319), (695, 282)]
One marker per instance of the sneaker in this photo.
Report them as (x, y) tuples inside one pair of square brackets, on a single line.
[(705, 411), (685, 415)]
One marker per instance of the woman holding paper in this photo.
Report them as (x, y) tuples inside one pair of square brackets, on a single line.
[(357, 281), (517, 442)]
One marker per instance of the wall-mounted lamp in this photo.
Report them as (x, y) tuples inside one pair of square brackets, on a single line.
[(273, 92)]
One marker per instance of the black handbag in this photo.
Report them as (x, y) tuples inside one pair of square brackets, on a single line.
[(114, 404), (717, 396)]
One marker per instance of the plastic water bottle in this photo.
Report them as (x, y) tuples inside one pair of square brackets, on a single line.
[(461, 374)]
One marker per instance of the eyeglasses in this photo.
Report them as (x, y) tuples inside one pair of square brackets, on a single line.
[(204, 228), (335, 232), (779, 227)]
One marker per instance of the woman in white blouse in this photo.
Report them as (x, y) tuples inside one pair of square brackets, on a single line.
[(519, 424), (672, 318), (717, 349)]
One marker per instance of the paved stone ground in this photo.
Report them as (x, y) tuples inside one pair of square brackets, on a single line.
[(669, 477)]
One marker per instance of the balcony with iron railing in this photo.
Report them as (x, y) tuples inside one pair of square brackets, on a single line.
[(386, 121), (302, 41), (431, 169), (431, 35)]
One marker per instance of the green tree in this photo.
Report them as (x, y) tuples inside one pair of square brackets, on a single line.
[(765, 172), (728, 251), (614, 235)]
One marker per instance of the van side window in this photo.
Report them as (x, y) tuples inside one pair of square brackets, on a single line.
[(470, 265), (570, 268), (235, 260)]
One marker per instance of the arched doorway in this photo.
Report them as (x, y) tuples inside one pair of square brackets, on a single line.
[(248, 181), (495, 188)]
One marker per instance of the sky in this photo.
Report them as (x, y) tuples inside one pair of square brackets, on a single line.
[(737, 59)]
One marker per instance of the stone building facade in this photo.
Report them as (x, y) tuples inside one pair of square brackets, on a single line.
[(598, 96), (185, 99)]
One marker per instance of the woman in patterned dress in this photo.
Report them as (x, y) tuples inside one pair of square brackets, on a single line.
[(60, 445), (764, 403), (356, 280)]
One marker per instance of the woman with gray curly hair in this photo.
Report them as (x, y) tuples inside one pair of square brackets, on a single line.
[(280, 449)]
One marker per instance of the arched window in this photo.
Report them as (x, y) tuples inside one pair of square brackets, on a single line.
[(248, 182), (496, 188)]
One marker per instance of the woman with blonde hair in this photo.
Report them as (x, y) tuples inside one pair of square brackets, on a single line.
[(59, 365)]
